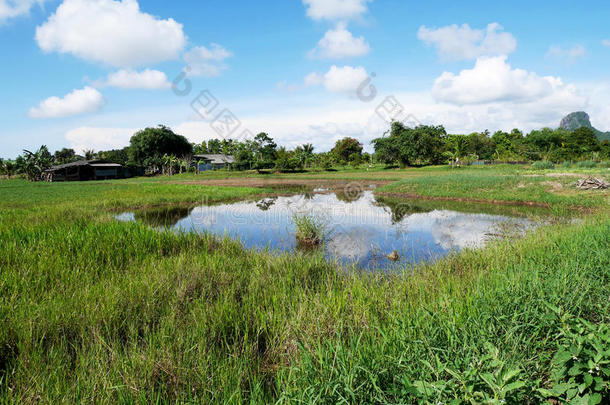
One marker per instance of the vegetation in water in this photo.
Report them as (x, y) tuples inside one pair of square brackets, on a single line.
[(309, 230)]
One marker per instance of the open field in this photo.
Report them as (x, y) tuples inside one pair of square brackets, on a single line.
[(95, 310)]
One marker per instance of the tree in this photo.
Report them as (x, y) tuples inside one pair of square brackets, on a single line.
[(149, 145), (214, 146), (581, 141), (89, 154), (33, 164), (347, 148), (408, 146), (8, 167), (120, 156), (286, 161), (200, 149), (481, 145), (265, 151), (65, 155), (456, 148), (509, 146)]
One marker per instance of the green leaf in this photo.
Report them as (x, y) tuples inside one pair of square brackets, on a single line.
[(562, 357), (514, 386), (511, 374), (575, 370), (560, 389), (588, 380), (595, 399)]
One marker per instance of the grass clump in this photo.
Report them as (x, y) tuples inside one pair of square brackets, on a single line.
[(309, 230), (543, 165), (587, 164)]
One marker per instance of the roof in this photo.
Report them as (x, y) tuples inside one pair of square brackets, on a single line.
[(105, 165), (217, 159), (92, 163)]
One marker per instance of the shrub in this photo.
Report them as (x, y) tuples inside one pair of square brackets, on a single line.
[(543, 165), (566, 164)]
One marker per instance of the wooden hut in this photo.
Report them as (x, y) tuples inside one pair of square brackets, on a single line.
[(84, 170)]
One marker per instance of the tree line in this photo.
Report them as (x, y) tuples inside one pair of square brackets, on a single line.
[(161, 151)]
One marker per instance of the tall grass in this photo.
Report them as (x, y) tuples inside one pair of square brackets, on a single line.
[(94, 310), (309, 230)]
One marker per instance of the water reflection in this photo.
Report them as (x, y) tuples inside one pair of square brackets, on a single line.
[(360, 229)]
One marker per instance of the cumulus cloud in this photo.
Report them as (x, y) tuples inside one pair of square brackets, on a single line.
[(87, 138), (492, 79), (335, 9), (15, 8), (567, 54), (457, 43), (344, 79), (77, 102), (339, 43), (207, 62), (114, 32), (130, 79)]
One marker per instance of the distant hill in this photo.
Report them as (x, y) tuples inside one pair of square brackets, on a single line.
[(580, 119)]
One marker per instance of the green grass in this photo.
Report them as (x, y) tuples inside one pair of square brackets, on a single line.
[(95, 310), (309, 230)]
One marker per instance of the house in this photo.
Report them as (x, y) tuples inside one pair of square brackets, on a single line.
[(213, 162), (84, 170)]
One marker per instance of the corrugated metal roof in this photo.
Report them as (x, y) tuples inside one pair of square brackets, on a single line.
[(216, 159), (105, 165), (82, 163)]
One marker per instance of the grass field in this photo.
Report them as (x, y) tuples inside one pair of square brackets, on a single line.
[(96, 310)]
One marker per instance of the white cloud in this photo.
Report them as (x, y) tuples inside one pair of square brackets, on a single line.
[(207, 62), (567, 54), (492, 79), (77, 102), (461, 43), (130, 79), (16, 8), (344, 79), (606, 42), (335, 9), (86, 138), (113, 32), (340, 43)]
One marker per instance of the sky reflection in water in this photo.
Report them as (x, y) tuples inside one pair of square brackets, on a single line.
[(359, 231)]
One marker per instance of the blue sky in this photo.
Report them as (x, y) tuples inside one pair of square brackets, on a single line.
[(88, 73)]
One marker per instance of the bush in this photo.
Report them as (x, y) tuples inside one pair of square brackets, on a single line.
[(543, 165), (566, 164), (587, 164)]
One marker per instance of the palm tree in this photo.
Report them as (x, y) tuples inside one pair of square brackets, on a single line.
[(459, 143), (308, 151), (89, 154)]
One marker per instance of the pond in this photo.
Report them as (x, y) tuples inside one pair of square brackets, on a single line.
[(359, 229)]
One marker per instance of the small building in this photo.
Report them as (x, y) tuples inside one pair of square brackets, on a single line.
[(213, 162), (84, 170)]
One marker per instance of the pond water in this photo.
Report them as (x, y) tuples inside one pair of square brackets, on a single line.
[(359, 229)]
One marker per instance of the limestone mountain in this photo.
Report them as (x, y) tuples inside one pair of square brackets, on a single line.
[(580, 119)]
